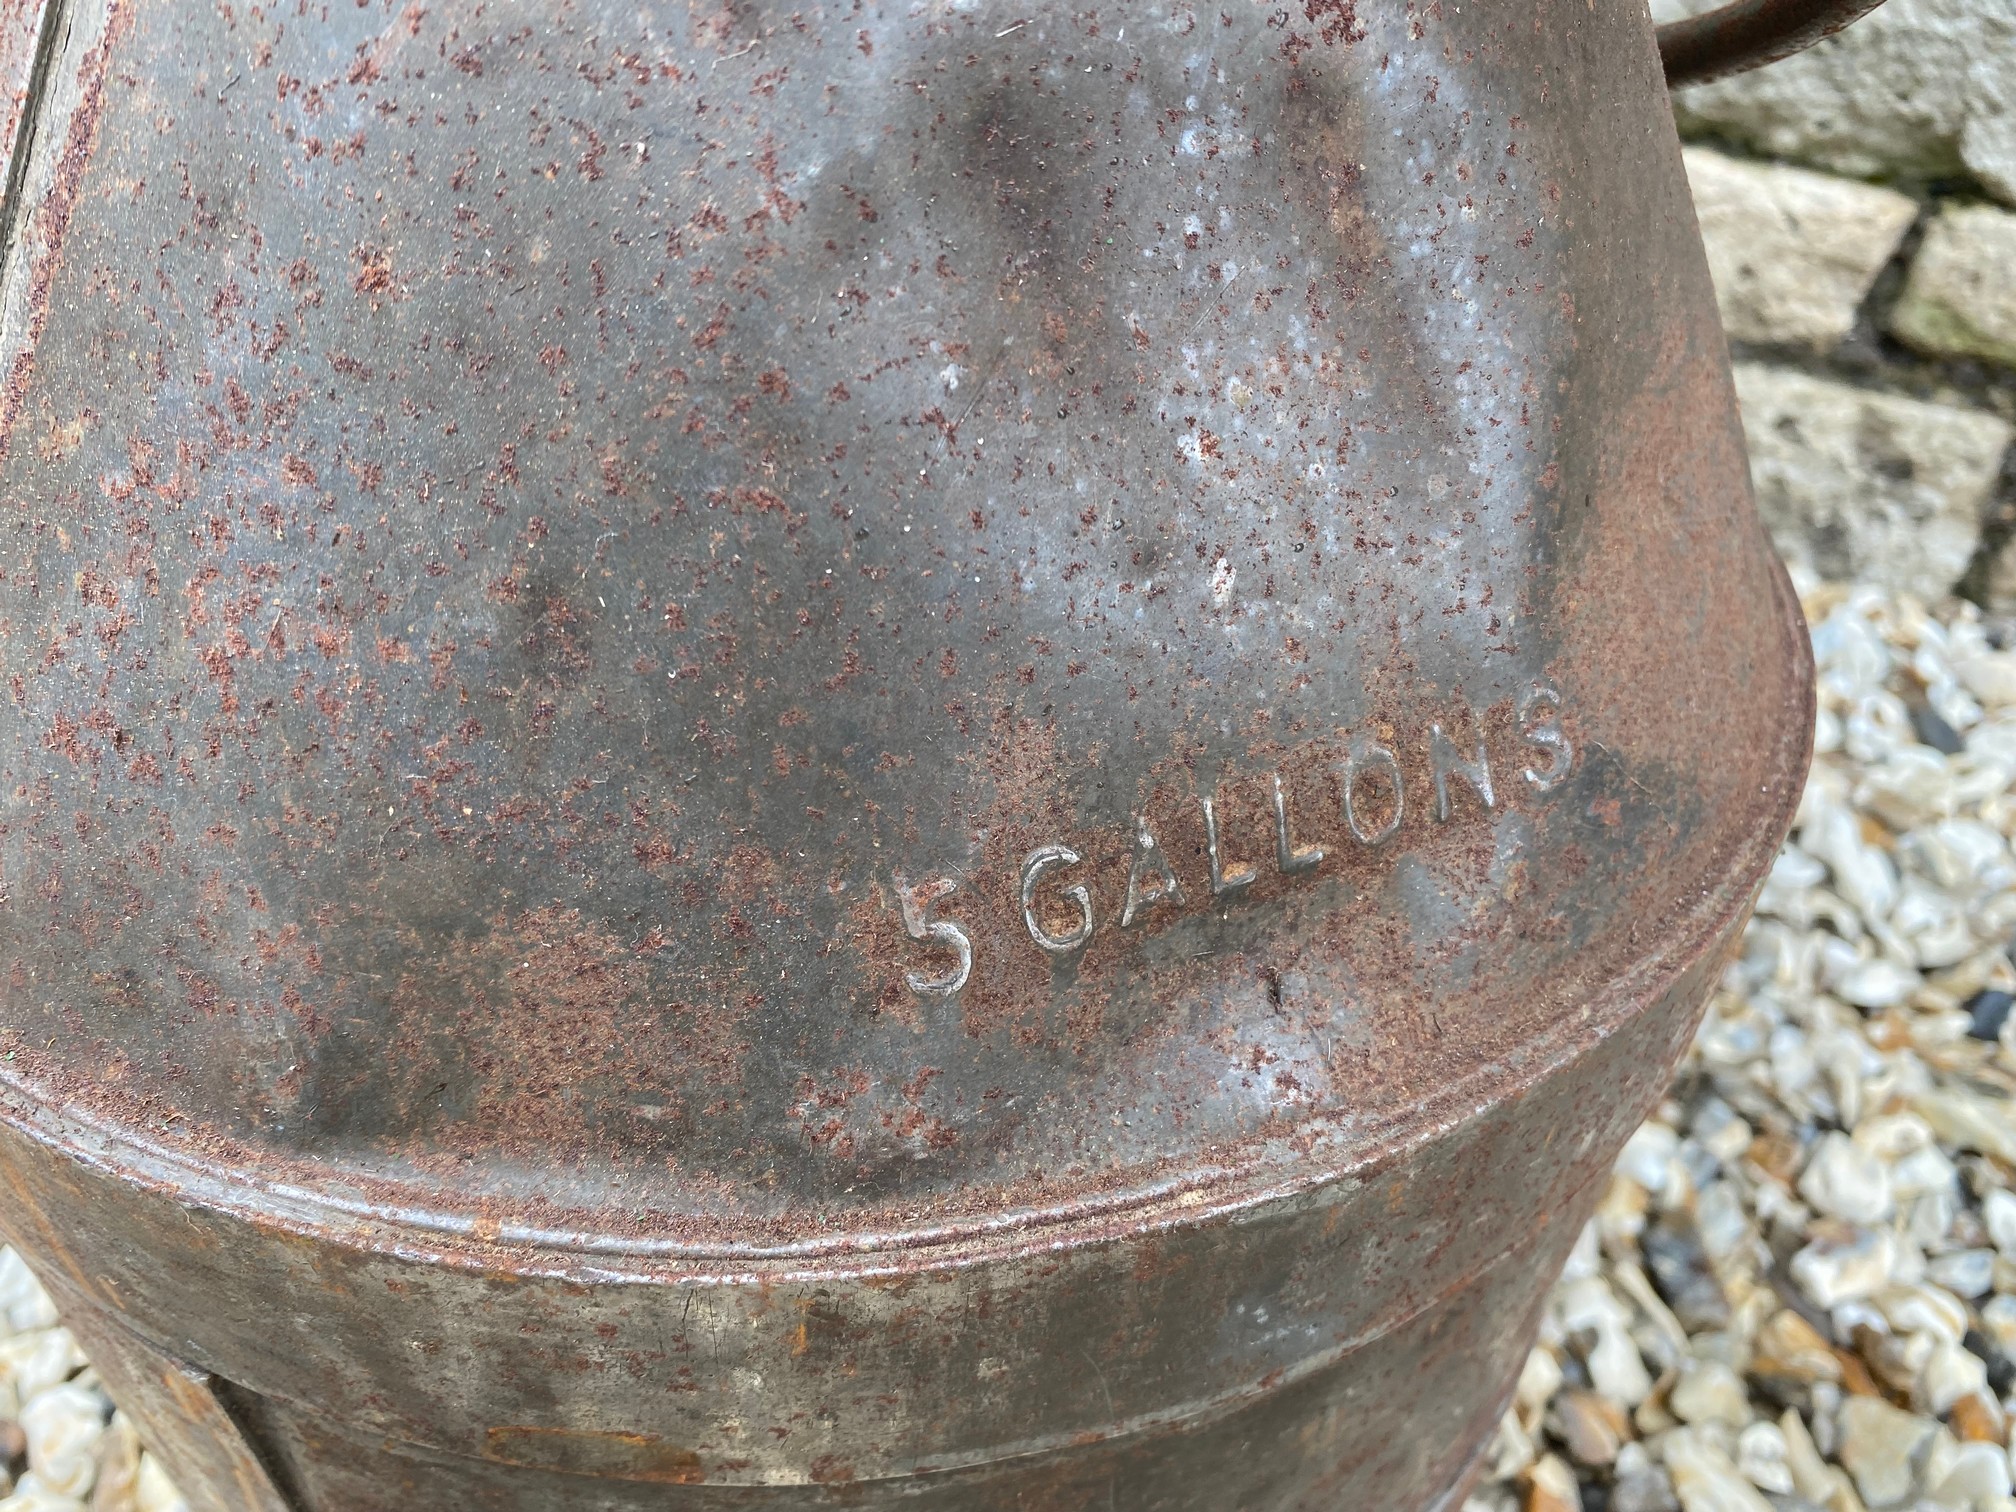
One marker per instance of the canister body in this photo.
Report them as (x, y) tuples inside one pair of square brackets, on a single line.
[(922, 758)]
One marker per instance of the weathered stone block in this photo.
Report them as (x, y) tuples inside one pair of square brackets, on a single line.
[(1868, 486), (1918, 88), (1792, 252), (1960, 298)]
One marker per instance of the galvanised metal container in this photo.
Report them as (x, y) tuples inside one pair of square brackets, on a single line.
[(865, 756)]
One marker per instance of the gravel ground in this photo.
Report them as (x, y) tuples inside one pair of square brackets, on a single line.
[(1799, 1294), (69, 1450)]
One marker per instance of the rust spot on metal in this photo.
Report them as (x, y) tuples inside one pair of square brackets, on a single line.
[(612, 1456)]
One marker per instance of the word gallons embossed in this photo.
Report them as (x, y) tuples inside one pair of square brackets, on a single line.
[(1150, 863), (1041, 860), (1373, 758), (1372, 802)]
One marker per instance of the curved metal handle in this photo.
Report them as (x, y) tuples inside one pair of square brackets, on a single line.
[(1750, 33)]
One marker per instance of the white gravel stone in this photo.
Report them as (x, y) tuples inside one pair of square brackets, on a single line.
[(1812, 1477), (1615, 1367), (1998, 1211), (1880, 1446), (1592, 1428), (1960, 297), (1863, 875), (1897, 1137), (1551, 1486), (1709, 1391), (1847, 1181), (1647, 1154), (1876, 983), (1998, 1321), (1923, 1310), (1965, 1273), (1950, 1374), (63, 1426), (1912, 786), (1721, 1130), (1962, 854), (1761, 1456), (1967, 1122), (1921, 88), (1538, 1382), (1979, 1472), (27, 1307), (1511, 1452), (1855, 483), (1704, 1477), (1792, 252), (1833, 1270), (31, 1495), (156, 1492), (33, 1362)]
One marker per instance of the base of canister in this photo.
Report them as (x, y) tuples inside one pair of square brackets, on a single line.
[(1301, 1448)]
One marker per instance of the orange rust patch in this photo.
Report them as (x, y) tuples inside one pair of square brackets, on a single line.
[(573, 1451)]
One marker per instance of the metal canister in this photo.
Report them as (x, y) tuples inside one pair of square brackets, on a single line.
[(859, 756)]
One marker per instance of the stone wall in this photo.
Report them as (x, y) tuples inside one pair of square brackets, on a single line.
[(1858, 203)]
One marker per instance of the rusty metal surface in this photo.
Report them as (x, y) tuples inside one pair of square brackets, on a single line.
[(1405, 1411), (584, 590), (1747, 34), (20, 33)]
